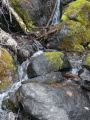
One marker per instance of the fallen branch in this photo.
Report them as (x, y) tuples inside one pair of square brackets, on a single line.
[(50, 19), (15, 15)]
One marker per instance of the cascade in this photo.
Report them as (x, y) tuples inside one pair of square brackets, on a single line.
[(56, 17)]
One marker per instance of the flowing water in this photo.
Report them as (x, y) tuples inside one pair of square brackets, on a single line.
[(22, 76), (56, 17)]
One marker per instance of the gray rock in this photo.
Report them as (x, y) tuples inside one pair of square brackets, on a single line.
[(85, 75), (48, 78), (38, 10), (46, 63), (51, 103)]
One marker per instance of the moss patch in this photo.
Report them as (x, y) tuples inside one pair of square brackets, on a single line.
[(87, 60), (55, 59), (7, 68), (78, 10), (89, 45)]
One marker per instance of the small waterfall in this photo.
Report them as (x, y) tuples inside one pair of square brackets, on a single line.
[(56, 17)]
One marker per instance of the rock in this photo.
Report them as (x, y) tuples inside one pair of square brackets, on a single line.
[(48, 78), (46, 63), (78, 10), (38, 11), (51, 103), (69, 36), (87, 61), (85, 75), (73, 31), (6, 67)]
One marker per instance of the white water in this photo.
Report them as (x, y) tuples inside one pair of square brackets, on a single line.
[(22, 76), (56, 17)]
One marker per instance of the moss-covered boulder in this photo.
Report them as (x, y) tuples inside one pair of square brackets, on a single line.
[(71, 35), (78, 10), (74, 30), (6, 67), (46, 63), (87, 61)]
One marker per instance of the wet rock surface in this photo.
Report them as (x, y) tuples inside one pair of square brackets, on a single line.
[(52, 103)]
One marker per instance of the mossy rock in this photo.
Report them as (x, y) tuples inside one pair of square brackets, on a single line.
[(78, 10), (47, 62), (22, 13), (7, 67), (71, 35), (87, 61)]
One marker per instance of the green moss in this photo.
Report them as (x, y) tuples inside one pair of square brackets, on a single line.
[(6, 57), (64, 17), (11, 106), (77, 11), (23, 14), (7, 68), (89, 45), (55, 59), (78, 47), (4, 81), (87, 60)]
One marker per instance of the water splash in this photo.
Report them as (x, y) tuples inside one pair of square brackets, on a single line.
[(56, 17)]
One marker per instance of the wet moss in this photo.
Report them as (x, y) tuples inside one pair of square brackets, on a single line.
[(23, 14), (55, 59)]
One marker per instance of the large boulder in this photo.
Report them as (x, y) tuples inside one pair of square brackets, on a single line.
[(78, 10), (73, 31), (70, 35), (46, 63), (53, 103), (38, 11)]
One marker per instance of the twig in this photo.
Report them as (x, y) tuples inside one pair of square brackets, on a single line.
[(50, 19)]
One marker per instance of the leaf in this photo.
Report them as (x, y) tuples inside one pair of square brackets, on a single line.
[(69, 93)]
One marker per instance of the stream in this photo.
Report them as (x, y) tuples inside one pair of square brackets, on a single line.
[(75, 60)]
